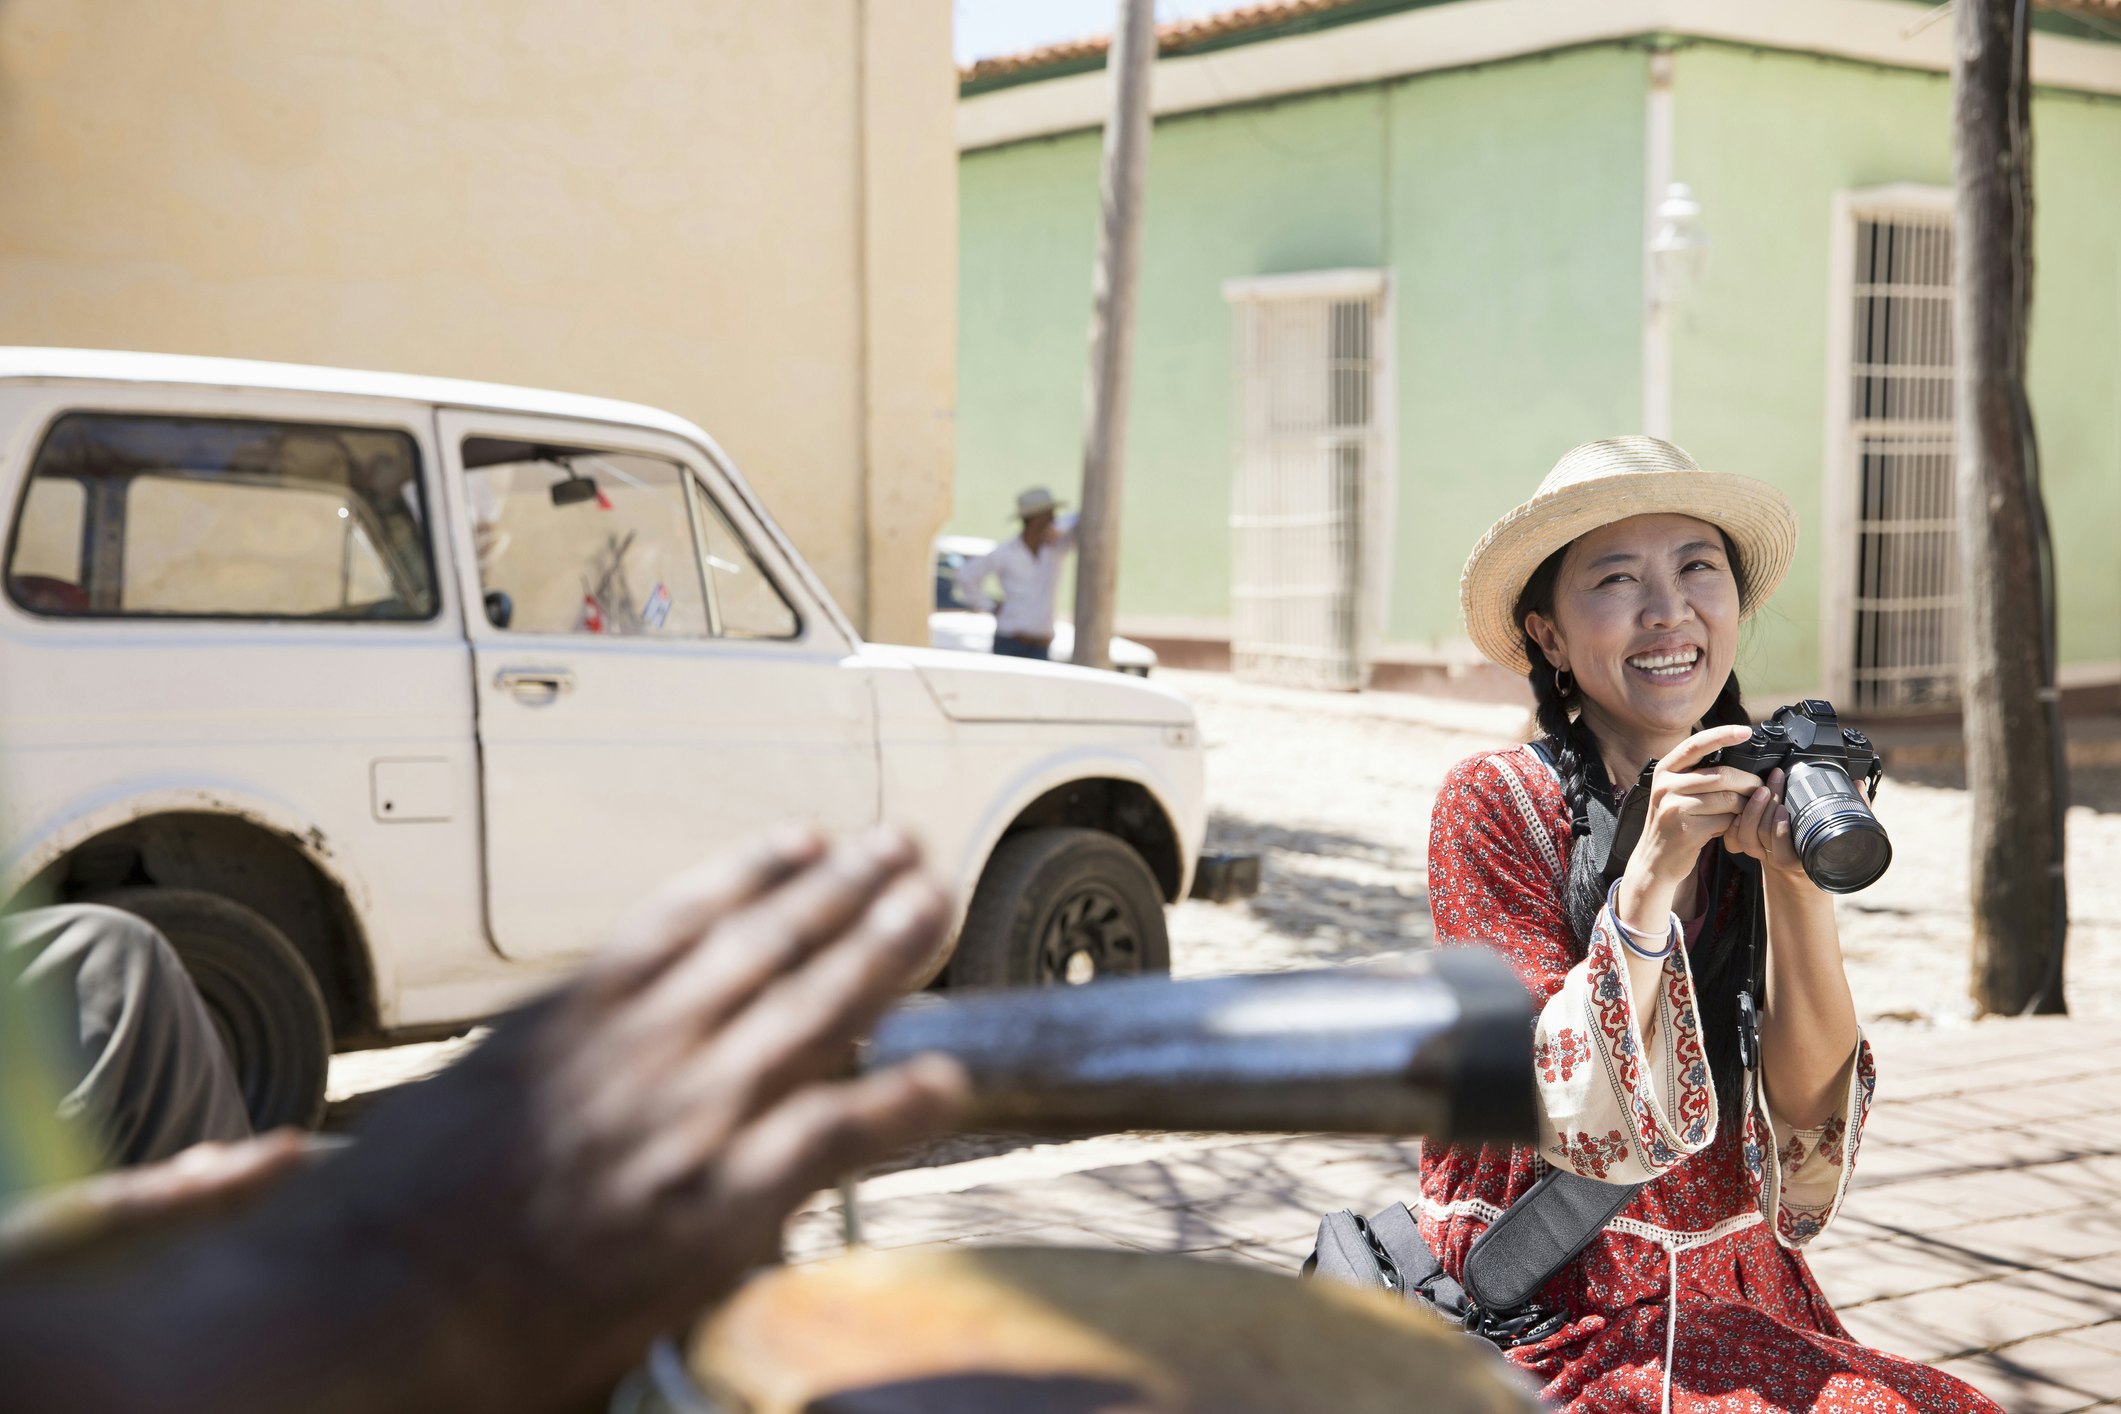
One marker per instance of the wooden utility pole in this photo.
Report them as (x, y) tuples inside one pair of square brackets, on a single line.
[(2013, 727), (1113, 283)]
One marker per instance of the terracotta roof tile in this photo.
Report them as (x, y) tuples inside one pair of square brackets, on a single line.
[(1181, 35), (1172, 38)]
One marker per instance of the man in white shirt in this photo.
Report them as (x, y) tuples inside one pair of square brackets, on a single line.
[(1028, 566)]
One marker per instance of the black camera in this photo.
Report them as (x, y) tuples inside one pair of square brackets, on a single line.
[(1839, 840)]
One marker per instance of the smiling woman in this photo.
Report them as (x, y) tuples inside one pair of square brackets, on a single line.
[(1641, 616), (1618, 590)]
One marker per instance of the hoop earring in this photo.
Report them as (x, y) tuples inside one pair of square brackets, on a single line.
[(1563, 689)]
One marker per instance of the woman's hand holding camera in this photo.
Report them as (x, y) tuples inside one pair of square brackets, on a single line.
[(1691, 806), (1762, 830)]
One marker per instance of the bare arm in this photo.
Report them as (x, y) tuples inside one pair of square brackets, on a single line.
[(971, 580)]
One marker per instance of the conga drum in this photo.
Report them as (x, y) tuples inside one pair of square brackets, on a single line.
[(1028, 1330)]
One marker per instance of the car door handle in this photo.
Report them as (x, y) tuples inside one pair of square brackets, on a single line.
[(536, 686)]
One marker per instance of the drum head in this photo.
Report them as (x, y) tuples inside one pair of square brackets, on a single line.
[(954, 1330)]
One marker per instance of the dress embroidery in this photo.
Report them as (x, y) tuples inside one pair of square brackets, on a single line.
[(1829, 1146), (1558, 1058), (1689, 1300), (1590, 1155)]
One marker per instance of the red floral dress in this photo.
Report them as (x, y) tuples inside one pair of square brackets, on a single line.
[(1696, 1297)]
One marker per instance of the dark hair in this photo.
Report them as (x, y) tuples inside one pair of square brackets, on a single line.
[(1719, 958)]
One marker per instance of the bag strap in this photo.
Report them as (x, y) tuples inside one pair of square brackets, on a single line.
[(1560, 1214), (1538, 1235)]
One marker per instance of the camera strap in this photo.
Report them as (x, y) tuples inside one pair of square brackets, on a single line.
[(1755, 973)]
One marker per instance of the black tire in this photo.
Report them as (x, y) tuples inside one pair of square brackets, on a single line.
[(1061, 905), (261, 996)]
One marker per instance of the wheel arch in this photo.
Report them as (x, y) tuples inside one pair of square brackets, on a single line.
[(1117, 806), (1098, 791), (229, 848)]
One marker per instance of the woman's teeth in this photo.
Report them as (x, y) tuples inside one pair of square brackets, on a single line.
[(1667, 665)]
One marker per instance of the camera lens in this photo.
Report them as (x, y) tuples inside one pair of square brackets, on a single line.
[(1840, 842)]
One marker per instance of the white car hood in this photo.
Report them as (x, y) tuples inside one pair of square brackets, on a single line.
[(968, 631), (972, 687)]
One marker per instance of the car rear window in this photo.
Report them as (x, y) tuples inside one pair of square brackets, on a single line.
[(186, 517)]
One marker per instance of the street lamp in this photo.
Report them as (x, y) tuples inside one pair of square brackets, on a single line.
[(1680, 249)]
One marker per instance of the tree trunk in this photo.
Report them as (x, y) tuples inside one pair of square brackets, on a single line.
[(1112, 330), (2011, 733)]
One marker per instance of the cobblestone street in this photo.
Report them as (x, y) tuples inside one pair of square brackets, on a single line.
[(1983, 1235)]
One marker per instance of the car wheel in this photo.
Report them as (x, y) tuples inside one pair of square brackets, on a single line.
[(261, 995), (1061, 906)]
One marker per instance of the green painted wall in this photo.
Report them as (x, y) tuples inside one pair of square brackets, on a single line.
[(1516, 240), (1766, 140), (1293, 187), (1506, 201)]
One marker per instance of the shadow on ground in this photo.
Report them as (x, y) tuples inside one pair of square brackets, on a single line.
[(1335, 897), (1256, 1201), (2095, 787)]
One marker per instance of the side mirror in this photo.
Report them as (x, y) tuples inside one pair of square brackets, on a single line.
[(575, 490), (500, 608)]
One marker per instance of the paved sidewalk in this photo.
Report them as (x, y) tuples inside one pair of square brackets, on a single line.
[(1984, 1234)]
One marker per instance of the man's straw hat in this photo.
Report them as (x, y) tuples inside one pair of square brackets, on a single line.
[(1037, 501), (1601, 482)]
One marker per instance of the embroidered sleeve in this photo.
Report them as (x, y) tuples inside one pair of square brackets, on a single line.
[(1804, 1173), (1607, 1109), (1611, 1108)]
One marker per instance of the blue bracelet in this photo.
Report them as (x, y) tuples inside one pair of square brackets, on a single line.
[(1628, 936)]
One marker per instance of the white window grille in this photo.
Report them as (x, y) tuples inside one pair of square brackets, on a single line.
[(1893, 631), (1311, 505)]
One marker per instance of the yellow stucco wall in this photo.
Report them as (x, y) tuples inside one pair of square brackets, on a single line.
[(742, 212)]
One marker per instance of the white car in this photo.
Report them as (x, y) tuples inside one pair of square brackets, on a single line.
[(384, 697), (953, 625)]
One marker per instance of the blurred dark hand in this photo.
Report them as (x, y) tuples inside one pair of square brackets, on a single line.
[(109, 1213), (515, 1232)]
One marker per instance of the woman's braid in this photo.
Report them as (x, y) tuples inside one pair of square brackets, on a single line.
[(1573, 743)]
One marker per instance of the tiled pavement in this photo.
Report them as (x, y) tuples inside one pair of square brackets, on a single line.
[(1984, 1233)]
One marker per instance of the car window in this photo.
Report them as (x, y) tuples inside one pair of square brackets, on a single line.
[(215, 518), (743, 601), (45, 569), (947, 594), (574, 541)]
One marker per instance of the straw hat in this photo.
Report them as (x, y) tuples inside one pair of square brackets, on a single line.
[(1601, 482), (1037, 501)]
